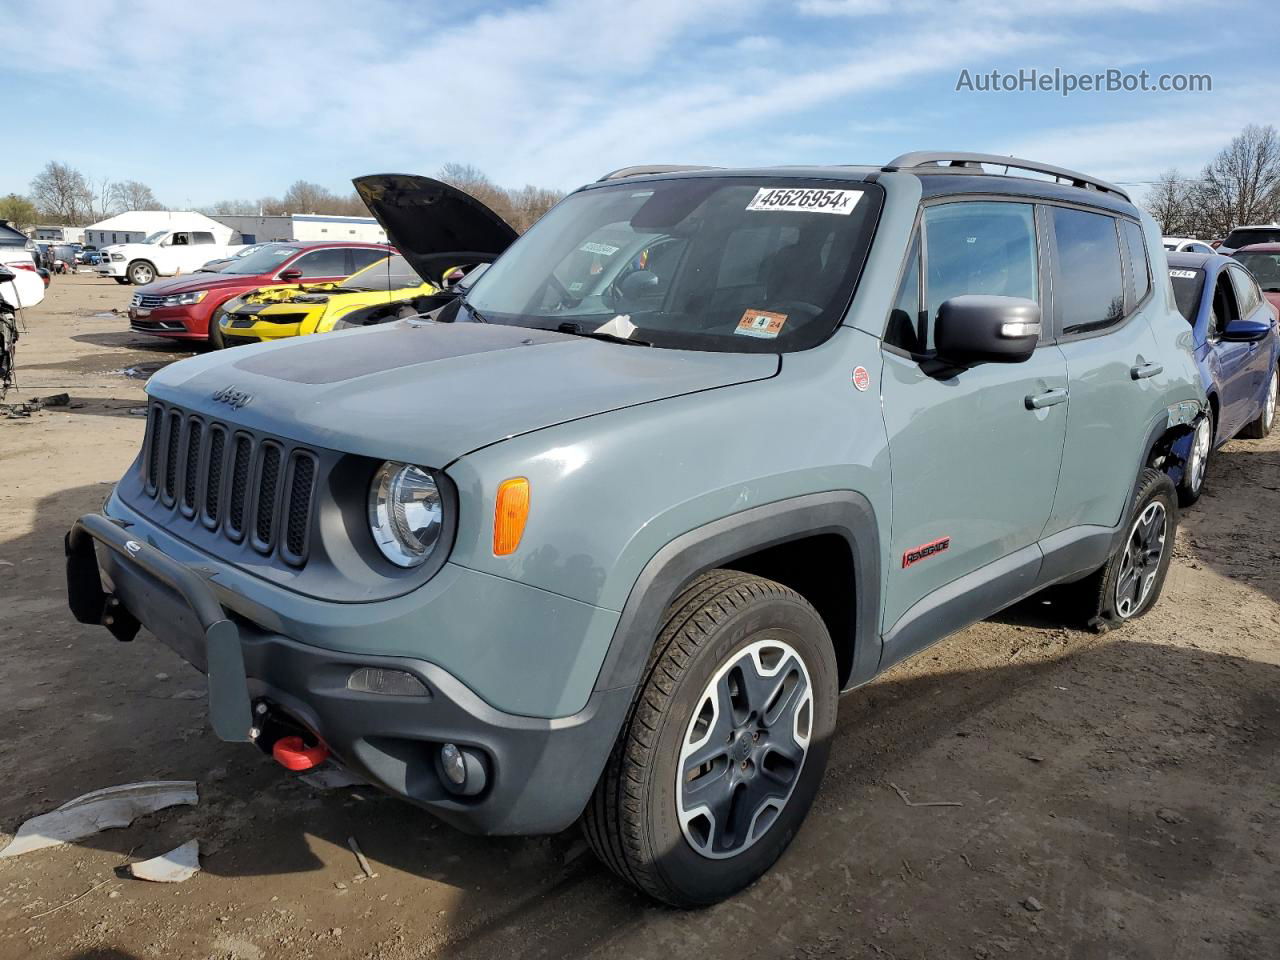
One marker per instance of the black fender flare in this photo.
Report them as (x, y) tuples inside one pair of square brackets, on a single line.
[(845, 513)]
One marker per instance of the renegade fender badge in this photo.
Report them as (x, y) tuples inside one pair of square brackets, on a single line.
[(925, 551), (236, 398), (861, 379)]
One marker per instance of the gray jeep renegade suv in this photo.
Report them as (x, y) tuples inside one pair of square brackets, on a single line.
[(605, 536)]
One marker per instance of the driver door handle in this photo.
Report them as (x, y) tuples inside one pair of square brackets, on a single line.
[(1144, 370), (1050, 398)]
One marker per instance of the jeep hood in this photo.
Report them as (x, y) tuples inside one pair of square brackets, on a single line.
[(434, 225), (429, 393)]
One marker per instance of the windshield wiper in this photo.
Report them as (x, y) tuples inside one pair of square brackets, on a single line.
[(575, 330)]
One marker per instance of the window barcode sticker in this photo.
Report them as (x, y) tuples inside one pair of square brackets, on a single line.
[(805, 200), (602, 249)]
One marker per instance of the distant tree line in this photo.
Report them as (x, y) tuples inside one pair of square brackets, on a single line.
[(519, 207), (62, 195), (1240, 185)]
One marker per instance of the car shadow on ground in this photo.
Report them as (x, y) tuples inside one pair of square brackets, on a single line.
[(127, 340)]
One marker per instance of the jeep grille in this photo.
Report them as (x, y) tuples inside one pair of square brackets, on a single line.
[(231, 480)]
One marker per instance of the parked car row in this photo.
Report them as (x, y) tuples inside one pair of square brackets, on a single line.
[(602, 535)]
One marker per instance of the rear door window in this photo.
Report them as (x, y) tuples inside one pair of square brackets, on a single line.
[(361, 257), (1090, 292), (199, 236)]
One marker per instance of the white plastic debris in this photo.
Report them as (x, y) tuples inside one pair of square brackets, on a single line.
[(101, 810), (177, 865), (619, 326)]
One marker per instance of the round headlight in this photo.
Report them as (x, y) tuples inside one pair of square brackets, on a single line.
[(405, 513)]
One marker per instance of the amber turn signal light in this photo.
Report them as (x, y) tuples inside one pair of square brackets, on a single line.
[(510, 511)]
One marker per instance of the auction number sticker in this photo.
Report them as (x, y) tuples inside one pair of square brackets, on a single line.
[(1182, 274), (761, 323), (602, 249), (805, 200)]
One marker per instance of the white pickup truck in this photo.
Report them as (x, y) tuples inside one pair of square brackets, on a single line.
[(162, 254)]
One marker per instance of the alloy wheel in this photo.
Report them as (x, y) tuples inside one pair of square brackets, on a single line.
[(1199, 458), (1140, 563), (743, 750)]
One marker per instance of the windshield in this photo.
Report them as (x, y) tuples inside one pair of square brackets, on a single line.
[(1244, 237), (263, 260), (704, 263), (1187, 285), (1265, 268), (157, 236), (389, 273)]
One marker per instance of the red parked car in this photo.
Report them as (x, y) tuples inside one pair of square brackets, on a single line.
[(182, 307)]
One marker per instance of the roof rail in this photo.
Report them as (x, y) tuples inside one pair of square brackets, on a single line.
[(646, 169), (973, 162)]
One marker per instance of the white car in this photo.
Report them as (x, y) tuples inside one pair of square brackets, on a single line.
[(1185, 245), (163, 254), (26, 289)]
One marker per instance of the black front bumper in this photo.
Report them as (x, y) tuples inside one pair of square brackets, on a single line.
[(539, 773)]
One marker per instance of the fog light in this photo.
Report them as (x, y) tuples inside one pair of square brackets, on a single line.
[(390, 683), (453, 764)]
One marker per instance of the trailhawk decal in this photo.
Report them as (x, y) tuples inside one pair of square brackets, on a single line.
[(925, 551), (806, 200)]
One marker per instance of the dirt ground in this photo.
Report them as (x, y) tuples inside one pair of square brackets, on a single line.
[(1117, 795)]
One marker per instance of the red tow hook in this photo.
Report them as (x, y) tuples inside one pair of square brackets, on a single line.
[(292, 753)]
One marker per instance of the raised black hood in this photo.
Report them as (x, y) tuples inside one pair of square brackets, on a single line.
[(434, 225)]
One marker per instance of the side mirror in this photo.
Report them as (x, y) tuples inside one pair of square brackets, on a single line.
[(292, 275), (973, 329), (1246, 331)]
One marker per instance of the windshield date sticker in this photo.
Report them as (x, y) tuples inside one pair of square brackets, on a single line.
[(805, 200), (761, 323), (1182, 274), (603, 249)]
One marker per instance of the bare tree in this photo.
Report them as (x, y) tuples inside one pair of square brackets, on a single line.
[(530, 203), (104, 199), (61, 193), (137, 196), (230, 208), (470, 179), (1169, 201), (1242, 183), (306, 197)]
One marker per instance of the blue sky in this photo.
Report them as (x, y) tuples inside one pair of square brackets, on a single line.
[(236, 100)]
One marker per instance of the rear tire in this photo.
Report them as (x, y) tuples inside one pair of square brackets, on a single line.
[(1260, 428), (1129, 583), (734, 717)]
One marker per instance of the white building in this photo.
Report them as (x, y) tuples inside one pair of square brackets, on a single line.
[(59, 234), (137, 225), (304, 226)]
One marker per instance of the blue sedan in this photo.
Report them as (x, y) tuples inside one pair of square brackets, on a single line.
[(1237, 349)]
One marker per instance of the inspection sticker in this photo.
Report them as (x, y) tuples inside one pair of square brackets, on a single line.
[(805, 200), (604, 249), (761, 323), (1182, 274)]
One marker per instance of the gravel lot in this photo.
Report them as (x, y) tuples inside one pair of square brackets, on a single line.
[(1119, 793)]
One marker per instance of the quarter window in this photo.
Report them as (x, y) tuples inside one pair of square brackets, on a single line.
[(906, 321), (1135, 249), (1089, 294)]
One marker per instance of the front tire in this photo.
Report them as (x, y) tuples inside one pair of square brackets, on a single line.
[(123, 281), (722, 753), (1192, 483), (1129, 583), (1260, 428), (141, 273)]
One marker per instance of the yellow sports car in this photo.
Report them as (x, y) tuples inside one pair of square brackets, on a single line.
[(292, 310)]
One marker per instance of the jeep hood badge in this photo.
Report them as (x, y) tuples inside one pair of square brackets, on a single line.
[(230, 395)]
